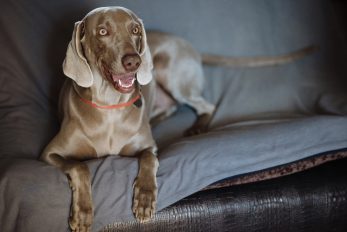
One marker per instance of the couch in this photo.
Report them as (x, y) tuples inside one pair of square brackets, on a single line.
[(272, 160)]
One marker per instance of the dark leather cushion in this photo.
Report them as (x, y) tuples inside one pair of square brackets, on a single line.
[(314, 200)]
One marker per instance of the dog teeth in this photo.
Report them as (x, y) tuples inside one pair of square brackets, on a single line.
[(126, 84)]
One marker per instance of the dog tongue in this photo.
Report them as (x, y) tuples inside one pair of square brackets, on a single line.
[(125, 80)]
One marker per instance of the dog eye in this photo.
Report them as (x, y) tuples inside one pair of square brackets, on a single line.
[(136, 30), (102, 31)]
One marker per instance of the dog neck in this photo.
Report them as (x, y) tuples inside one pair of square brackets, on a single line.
[(103, 95)]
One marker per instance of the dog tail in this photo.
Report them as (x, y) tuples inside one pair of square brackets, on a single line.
[(257, 61)]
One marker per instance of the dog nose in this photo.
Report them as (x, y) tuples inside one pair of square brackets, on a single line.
[(131, 62)]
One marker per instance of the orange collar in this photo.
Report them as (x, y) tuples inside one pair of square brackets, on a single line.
[(116, 106)]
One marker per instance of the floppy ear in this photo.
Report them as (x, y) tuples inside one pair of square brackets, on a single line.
[(75, 64), (144, 74)]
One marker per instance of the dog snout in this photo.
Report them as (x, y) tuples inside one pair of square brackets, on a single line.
[(131, 62)]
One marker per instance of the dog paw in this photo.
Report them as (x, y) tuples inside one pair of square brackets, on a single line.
[(195, 130), (81, 219), (200, 126), (145, 199)]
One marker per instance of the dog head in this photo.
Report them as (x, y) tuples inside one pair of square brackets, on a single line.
[(111, 40)]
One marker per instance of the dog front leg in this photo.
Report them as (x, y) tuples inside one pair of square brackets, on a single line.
[(145, 186), (81, 212)]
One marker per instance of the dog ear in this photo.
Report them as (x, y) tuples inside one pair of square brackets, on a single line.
[(144, 74), (75, 64)]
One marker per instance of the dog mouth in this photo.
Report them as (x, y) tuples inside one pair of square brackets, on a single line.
[(123, 83)]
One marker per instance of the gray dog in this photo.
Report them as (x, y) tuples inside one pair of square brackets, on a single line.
[(105, 113)]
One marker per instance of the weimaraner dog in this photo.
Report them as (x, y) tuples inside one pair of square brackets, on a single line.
[(104, 111)]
